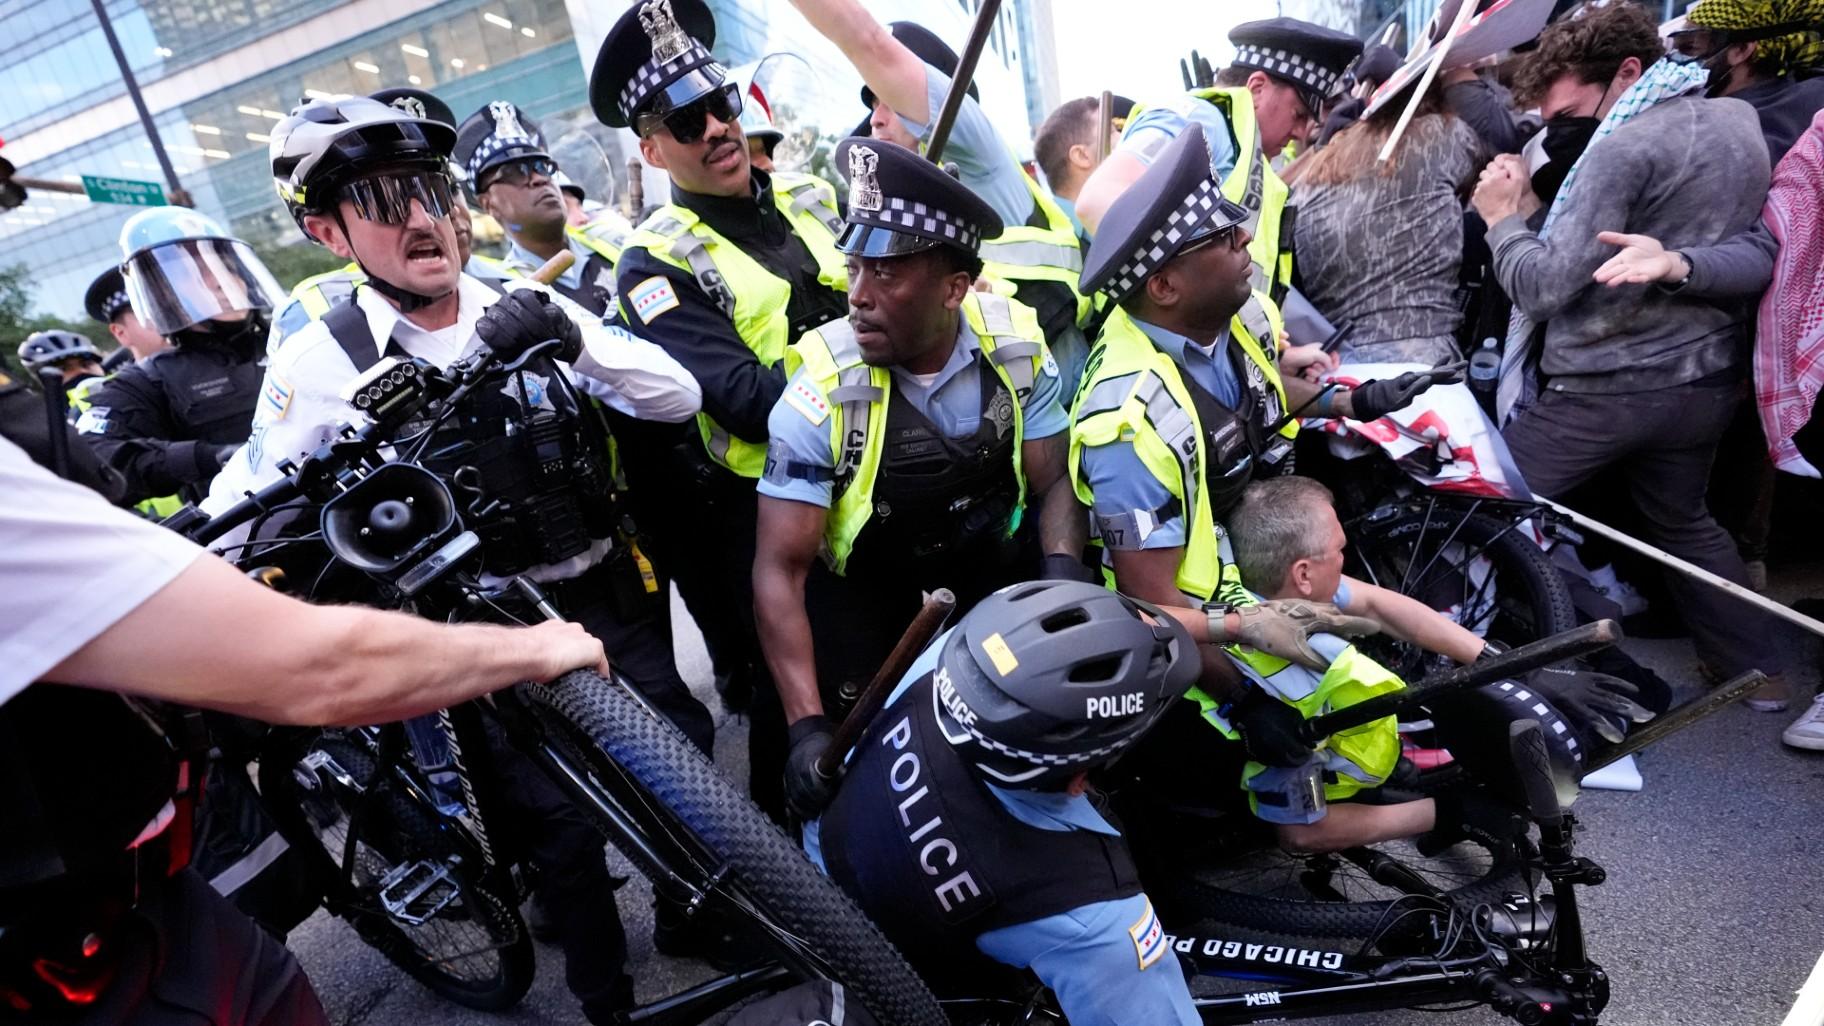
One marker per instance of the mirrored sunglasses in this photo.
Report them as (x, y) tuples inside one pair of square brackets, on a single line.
[(387, 199)]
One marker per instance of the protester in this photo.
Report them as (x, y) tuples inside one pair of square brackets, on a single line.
[(1638, 381), (1381, 242), (1764, 53), (1066, 148)]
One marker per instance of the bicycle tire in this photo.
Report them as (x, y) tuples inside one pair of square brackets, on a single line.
[(770, 871), (409, 824), (1381, 547), (1194, 905)]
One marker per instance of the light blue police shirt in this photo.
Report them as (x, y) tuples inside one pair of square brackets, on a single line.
[(525, 261), (1117, 475), (952, 402), (982, 158), (1158, 125), (1107, 961)]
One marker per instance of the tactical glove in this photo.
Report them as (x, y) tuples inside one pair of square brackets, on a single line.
[(522, 319), (1283, 628), (1270, 730), (807, 792), (1595, 701), (1372, 400)]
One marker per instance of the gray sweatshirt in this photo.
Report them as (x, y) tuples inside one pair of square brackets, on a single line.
[(1689, 172)]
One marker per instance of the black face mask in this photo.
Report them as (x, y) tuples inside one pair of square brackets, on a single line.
[(1565, 140)]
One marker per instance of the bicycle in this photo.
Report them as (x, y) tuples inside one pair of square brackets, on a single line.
[(386, 523)]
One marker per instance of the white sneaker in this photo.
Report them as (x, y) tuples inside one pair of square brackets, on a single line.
[(1808, 730)]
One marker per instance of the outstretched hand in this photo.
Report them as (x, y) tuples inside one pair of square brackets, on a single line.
[(1283, 628), (1642, 261)]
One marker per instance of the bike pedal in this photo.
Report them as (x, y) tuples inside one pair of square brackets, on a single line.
[(416, 892)]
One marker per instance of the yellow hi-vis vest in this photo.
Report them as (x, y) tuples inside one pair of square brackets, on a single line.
[(317, 293), (750, 295), (1352, 759), (858, 394), (604, 236), (1253, 184), (1133, 392), (1052, 253)]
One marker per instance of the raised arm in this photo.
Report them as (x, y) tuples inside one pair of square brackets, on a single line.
[(894, 73)]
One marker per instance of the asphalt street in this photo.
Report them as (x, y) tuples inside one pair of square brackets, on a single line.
[(1711, 914)]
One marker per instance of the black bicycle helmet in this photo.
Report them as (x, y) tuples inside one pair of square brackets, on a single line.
[(1049, 678), (323, 143), (44, 348)]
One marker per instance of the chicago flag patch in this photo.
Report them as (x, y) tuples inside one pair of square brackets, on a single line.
[(652, 297), (808, 401), (1148, 936)]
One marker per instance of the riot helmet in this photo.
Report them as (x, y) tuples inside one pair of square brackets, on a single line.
[(188, 278), (1044, 680)]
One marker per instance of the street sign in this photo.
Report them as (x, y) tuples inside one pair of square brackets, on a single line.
[(124, 191)]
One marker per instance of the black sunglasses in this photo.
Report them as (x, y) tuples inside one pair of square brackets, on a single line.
[(1228, 236), (688, 123), (387, 199), (519, 172)]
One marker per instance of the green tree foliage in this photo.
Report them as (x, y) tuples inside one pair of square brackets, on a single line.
[(292, 263), (17, 321)]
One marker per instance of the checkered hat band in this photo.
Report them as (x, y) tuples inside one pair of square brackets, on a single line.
[(112, 306), (1165, 240), (1044, 758), (1287, 64), (494, 145), (920, 219), (654, 76)]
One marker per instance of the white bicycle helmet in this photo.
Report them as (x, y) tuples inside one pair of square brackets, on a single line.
[(323, 143)]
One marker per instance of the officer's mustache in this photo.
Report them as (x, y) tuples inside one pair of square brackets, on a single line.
[(417, 239), (718, 148), (861, 324)]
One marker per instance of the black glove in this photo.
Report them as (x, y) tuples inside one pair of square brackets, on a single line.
[(1058, 566), (808, 792), (1468, 812), (1372, 400), (223, 454), (1270, 729), (522, 319), (1594, 701)]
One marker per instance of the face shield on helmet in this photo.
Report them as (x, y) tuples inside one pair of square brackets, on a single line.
[(176, 285)]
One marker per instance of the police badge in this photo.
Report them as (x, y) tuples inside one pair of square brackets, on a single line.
[(506, 121), (669, 41), (864, 188), (410, 106)]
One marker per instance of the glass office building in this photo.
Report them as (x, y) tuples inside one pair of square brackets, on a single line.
[(217, 74)]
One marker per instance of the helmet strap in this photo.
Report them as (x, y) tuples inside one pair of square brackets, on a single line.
[(405, 299)]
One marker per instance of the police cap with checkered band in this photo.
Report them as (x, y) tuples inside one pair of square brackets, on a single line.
[(656, 57), (1044, 680), (496, 134), (1309, 58), (1173, 204), (107, 296), (900, 203)]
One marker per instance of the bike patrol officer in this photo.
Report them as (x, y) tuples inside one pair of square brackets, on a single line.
[(738, 265), (964, 828), (74, 356), (910, 442), (1268, 96), (503, 154), (312, 297), (1184, 400), (168, 423), (908, 71), (106, 301), (372, 183)]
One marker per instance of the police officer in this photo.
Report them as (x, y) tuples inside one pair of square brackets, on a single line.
[(312, 297), (101, 922), (502, 151), (910, 440), (1185, 398), (169, 422), (372, 184), (907, 70), (738, 265), (1268, 96), (74, 357), (106, 301), (964, 827)]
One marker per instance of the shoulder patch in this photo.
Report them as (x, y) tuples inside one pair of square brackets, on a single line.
[(652, 297), (94, 421), (805, 398), (275, 399), (1148, 937)]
